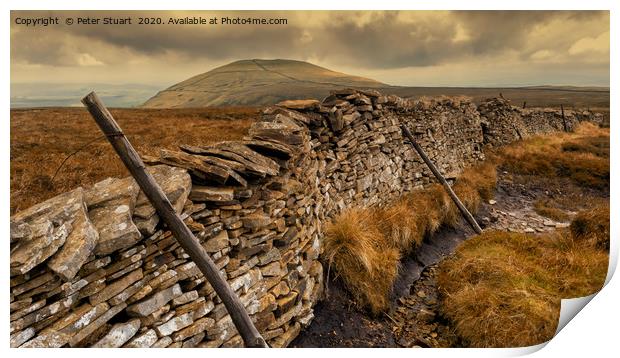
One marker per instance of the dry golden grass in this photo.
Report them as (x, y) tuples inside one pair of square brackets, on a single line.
[(504, 289), (582, 156), (352, 240), (364, 245), (42, 138), (592, 227), (353, 248)]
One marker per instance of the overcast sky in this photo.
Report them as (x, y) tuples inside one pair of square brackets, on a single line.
[(414, 48)]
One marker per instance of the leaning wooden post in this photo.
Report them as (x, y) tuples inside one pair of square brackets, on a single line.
[(468, 216), (563, 118), (187, 240)]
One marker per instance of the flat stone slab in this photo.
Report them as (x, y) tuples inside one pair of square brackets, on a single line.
[(271, 149), (175, 324), (40, 231), (285, 133), (119, 334), (29, 253), (209, 193), (111, 203), (95, 324), (154, 302), (195, 165), (144, 340), (308, 104), (77, 248)]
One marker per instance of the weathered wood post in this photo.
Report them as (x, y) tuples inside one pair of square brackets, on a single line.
[(524, 103), (250, 335), (563, 118), (468, 216)]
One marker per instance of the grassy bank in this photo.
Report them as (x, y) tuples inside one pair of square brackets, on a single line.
[(503, 289), (364, 246)]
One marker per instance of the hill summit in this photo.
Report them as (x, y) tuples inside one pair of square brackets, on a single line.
[(256, 83)]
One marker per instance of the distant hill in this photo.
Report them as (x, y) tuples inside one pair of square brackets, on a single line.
[(257, 83)]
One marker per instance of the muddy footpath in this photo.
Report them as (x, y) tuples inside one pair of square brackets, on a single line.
[(414, 319)]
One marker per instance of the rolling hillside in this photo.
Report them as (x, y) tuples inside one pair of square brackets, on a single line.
[(256, 83), (266, 82)]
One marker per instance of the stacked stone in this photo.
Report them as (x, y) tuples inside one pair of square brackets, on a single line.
[(501, 122), (96, 267), (76, 258), (362, 156)]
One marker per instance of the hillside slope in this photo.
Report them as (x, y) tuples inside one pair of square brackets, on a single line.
[(256, 83)]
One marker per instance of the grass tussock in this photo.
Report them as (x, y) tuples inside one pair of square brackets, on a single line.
[(592, 227), (582, 156), (364, 245), (354, 250), (503, 289)]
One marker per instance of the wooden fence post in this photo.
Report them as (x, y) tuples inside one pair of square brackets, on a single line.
[(250, 335), (563, 118), (468, 216)]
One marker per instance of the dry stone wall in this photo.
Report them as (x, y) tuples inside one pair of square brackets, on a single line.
[(96, 267)]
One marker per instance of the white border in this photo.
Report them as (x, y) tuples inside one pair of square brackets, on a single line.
[(591, 332)]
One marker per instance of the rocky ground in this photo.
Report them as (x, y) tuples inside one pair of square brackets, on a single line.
[(415, 320)]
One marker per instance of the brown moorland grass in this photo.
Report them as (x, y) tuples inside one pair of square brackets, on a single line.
[(42, 138), (354, 250), (592, 227), (503, 289), (582, 156), (403, 225), (364, 245)]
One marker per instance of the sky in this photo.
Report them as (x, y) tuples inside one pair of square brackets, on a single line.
[(410, 48)]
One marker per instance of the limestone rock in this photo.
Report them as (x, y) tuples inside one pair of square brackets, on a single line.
[(256, 220), (48, 340), (175, 324), (17, 339), (77, 248), (116, 287), (308, 104), (175, 183), (196, 327), (156, 301), (34, 251), (118, 334), (214, 194), (144, 340), (82, 334), (217, 243), (111, 203), (40, 231)]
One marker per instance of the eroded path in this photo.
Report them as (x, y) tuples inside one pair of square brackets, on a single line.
[(415, 319)]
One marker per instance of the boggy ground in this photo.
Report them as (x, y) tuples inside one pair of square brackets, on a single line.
[(524, 202), (412, 319)]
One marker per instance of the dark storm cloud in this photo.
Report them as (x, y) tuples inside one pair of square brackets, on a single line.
[(388, 41), (382, 40), (385, 41)]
